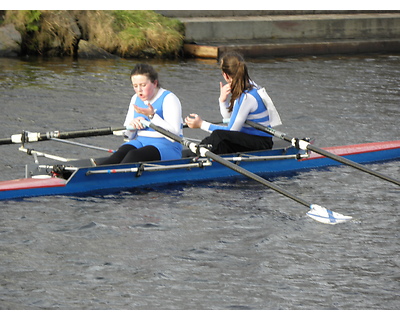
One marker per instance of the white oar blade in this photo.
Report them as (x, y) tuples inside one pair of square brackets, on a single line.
[(327, 216)]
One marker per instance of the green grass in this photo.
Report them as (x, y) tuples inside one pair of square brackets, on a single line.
[(124, 33)]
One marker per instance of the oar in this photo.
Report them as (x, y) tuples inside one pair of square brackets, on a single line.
[(316, 212), (304, 145), (84, 145), (26, 136)]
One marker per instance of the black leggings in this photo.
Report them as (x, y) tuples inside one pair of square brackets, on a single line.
[(224, 141), (128, 153)]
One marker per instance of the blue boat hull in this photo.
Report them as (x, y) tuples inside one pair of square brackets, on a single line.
[(86, 180)]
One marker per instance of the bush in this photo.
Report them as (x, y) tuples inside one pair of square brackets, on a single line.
[(124, 33)]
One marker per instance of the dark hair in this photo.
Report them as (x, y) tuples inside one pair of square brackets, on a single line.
[(146, 70), (233, 64)]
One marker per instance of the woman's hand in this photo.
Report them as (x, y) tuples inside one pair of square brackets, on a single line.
[(148, 112), (193, 121), (136, 123), (225, 90)]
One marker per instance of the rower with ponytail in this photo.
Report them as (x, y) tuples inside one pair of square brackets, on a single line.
[(244, 103)]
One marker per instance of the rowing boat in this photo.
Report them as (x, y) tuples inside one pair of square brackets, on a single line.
[(80, 177), (198, 163)]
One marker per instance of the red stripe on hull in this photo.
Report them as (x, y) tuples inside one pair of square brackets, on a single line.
[(358, 148), (30, 183)]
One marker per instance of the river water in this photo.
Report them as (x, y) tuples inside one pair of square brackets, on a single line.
[(217, 245)]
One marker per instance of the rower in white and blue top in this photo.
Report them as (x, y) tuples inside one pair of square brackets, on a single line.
[(249, 106), (166, 113), (245, 103), (152, 103)]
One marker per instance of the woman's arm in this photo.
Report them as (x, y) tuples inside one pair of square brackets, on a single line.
[(223, 108), (172, 113), (225, 90), (238, 117)]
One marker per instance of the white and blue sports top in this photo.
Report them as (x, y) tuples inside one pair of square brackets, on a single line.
[(168, 114), (249, 106)]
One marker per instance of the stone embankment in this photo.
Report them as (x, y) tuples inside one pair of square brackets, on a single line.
[(10, 45), (10, 41), (208, 34)]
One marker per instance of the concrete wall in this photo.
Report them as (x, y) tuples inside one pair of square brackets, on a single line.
[(241, 13), (258, 34), (326, 26)]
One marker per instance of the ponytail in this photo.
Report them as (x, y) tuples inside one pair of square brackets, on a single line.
[(234, 65)]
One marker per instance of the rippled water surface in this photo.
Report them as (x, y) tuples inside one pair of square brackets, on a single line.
[(216, 245)]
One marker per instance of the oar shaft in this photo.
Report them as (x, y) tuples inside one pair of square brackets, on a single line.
[(255, 177), (84, 145), (80, 133), (352, 164), (37, 136), (305, 145), (6, 141), (271, 131), (207, 153)]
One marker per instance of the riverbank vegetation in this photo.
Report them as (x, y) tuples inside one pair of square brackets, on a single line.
[(123, 33)]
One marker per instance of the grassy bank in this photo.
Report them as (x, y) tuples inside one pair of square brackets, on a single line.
[(123, 33)]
